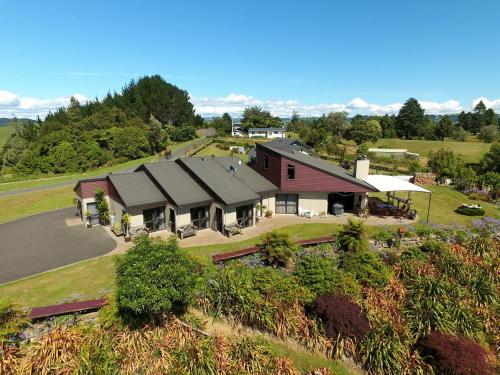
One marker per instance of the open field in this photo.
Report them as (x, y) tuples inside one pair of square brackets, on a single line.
[(212, 150), (471, 151), (5, 131), (21, 205)]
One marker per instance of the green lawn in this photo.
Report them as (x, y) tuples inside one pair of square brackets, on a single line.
[(5, 131), (95, 277), (21, 205), (48, 181), (212, 150), (471, 151), (443, 204)]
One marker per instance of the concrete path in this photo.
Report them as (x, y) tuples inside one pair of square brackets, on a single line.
[(181, 152), (45, 241)]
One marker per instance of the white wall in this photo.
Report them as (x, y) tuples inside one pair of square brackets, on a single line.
[(136, 218), (315, 201), (183, 216), (269, 200)]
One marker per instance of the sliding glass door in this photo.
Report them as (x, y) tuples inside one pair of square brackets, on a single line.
[(287, 203), (154, 219), (200, 217), (244, 215)]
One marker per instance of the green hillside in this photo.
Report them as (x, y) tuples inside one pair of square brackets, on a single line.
[(5, 131)]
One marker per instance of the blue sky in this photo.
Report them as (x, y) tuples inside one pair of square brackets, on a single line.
[(313, 56)]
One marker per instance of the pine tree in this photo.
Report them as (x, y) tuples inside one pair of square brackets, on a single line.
[(410, 119), (444, 128)]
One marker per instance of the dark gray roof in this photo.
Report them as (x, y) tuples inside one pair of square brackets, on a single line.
[(290, 144), (225, 185), (291, 153), (136, 189), (176, 183), (247, 175)]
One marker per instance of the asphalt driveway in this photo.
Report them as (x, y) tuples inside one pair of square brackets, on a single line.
[(49, 240)]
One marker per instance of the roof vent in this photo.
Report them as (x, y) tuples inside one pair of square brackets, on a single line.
[(231, 169), (202, 159)]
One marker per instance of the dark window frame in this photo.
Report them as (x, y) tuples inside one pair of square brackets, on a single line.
[(290, 167), (200, 216), (244, 215), (267, 162)]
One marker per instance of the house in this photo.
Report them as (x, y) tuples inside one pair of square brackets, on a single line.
[(266, 132), (213, 192), (207, 192), (306, 182)]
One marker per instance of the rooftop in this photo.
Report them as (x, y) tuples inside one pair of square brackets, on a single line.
[(136, 189)]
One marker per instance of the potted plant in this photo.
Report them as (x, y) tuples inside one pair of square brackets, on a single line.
[(269, 213), (126, 226), (260, 208), (89, 219)]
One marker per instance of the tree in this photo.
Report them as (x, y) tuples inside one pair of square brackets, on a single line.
[(129, 143), (465, 121), (491, 160), (388, 124), (428, 129), (490, 118), (335, 123), (445, 163), (410, 119), (316, 272), (478, 117), (63, 158), (363, 131), (256, 117), (444, 128), (488, 134), (223, 125), (154, 278), (294, 121), (353, 236), (155, 135)]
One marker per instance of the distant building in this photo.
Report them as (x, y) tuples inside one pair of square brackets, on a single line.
[(266, 132)]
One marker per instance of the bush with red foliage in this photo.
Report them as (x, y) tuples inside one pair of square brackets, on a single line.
[(455, 355), (341, 316)]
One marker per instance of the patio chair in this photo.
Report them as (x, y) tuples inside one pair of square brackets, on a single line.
[(187, 230), (231, 229)]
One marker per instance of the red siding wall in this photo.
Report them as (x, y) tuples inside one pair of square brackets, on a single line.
[(273, 174), (310, 179), (307, 179), (87, 189)]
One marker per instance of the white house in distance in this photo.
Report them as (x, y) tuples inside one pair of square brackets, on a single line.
[(266, 132)]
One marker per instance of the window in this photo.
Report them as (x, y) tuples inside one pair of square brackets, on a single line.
[(154, 219), (266, 162), (291, 172)]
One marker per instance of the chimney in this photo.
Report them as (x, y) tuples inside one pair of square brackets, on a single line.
[(361, 168)]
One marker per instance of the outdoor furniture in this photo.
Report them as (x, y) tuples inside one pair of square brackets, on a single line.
[(231, 229), (187, 230), (137, 231)]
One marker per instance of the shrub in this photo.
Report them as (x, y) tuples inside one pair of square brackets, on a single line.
[(154, 278), (367, 267), (316, 273), (470, 211), (277, 248), (382, 352), (346, 284), (12, 323), (353, 236), (102, 206), (455, 355), (483, 197), (341, 317)]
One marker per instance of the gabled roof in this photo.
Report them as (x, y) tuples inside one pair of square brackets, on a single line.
[(136, 189), (176, 183), (222, 183), (290, 152), (247, 175), (267, 129)]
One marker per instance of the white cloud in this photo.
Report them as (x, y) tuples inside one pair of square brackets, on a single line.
[(234, 104), (494, 104), (30, 107)]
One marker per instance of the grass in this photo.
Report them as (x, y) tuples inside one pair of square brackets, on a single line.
[(471, 151), (53, 180), (5, 132), (95, 277), (212, 150), (443, 204), (21, 205)]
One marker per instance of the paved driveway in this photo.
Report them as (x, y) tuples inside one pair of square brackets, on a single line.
[(42, 242)]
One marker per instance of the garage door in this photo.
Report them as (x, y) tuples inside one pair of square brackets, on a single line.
[(287, 203)]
